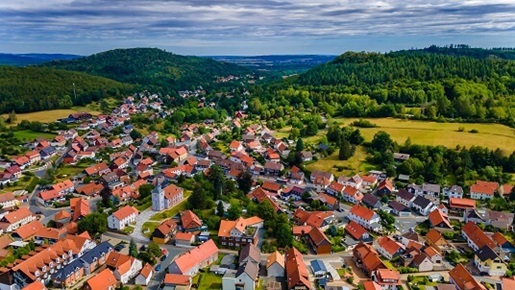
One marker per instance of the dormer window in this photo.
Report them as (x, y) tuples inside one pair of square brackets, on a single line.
[(37, 273)]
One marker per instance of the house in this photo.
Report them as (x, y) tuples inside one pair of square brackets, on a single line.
[(15, 219), (190, 221), (405, 197), (352, 195), (423, 205), (7, 200), (371, 201), (90, 189), (370, 285), (273, 168), (388, 248), (454, 191), (275, 265), (36, 285), (436, 240), (297, 275), (422, 262), (306, 156), (488, 261), (145, 275), (33, 156), (357, 232), (321, 179), (483, 190), (335, 189), (175, 281), (367, 259), (122, 218), (236, 146), (319, 241), (368, 181), (318, 219), (244, 278), (331, 202), (387, 278), (476, 237), (384, 187), (167, 197), (461, 204), (427, 189), (463, 280), (240, 232), (399, 209), (124, 267), (184, 239), (192, 261), (433, 254), (96, 257), (26, 232), (400, 156), (164, 232), (439, 220), (272, 187), (98, 169), (365, 217), (105, 280), (296, 175)]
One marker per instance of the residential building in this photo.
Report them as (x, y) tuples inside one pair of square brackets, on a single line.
[(475, 237), (436, 240), (437, 219), (240, 232), (249, 252), (463, 280), (387, 278), (454, 191), (483, 190), (423, 205), (357, 232), (385, 187), (122, 218), (367, 259), (165, 198), (371, 201), (105, 280), (124, 267), (164, 232), (15, 219), (144, 275), (297, 275), (184, 239), (195, 259), (7, 200), (190, 221), (488, 261), (461, 204), (388, 248), (275, 265), (405, 197), (365, 217), (244, 278), (319, 241)]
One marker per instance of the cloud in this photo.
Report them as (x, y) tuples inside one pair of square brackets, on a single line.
[(239, 22)]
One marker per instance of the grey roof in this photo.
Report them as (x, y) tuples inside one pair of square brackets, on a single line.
[(473, 214), (251, 269), (456, 188), (370, 200), (486, 253), (250, 251), (422, 201), (419, 259), (96, 252), (318, 265), (68, 270), (404, 194), (431, 187), (397, 206)]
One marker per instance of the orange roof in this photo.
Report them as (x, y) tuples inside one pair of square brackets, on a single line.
[(316, 219), (462, 203), (102, 280), (371, 285), (119, 262), (28, 230), (431, 252), (369, 179), (234, 144), (183, 236), (195, 256), (50, 233), (437, 217), (338, 187), (484, 187), (388, 245), (271, 186), (434, 236), (146, 271), (387, 275), (478, 237), (175, 279), (125, 212), (508, 283), (301, 230), (362, 212), (506, 189), (167, 226), (463, 279), (251, 221), (296, 270), (355, 230), (499, 239), (190, 220), (36, 285), (275, 257), (80, 208), (17, 215), (317, 236)]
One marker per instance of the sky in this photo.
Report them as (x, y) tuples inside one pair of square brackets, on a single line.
[(252, 27)]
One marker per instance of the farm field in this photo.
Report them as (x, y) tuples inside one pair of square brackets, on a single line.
[(51, 115), (331, 163), (429, 133), (28, 135)]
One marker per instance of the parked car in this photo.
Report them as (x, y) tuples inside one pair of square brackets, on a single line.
[(158, 267)]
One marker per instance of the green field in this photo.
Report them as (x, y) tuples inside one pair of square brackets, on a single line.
[(28, 135), (208, 280), (356, 164), (429, 133)]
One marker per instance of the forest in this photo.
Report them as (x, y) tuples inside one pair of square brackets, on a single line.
[(427, 84), (31, 89), (153, 69)]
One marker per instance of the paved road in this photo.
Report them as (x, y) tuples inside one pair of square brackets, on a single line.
[(143, 216)]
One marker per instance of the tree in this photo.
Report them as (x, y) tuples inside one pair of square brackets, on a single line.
[(382, 142), (234, 211), (216, 176), (345, 150), (154, 250), (245, 181), (220, 211), (198, 198), (284, 235), (94, 223), (311, 129), (300, 145), (266, 211), (135, 134), (355, 137), (12, 118), (146, 190), (133, 249)]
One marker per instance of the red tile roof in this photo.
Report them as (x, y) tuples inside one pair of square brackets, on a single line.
[(125, 212), (296, 270), (102, 281), (362, 212), (355, 230), (463, 279), (478, 237), (195, 256)]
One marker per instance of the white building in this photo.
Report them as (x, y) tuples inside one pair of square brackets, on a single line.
[(365, 217), (144, 275), (122, 217), (275, 265), (168, 197)]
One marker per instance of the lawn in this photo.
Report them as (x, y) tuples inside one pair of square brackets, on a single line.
[(148, 228), (22, 183), (51, 115), (66, 171), (208, 281), (173, 211), (331, 163), (432, 133), (426, 133), (28, 135)]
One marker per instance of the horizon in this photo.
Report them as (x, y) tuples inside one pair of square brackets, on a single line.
[(252, 27)]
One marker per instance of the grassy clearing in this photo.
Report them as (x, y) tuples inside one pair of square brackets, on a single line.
[(22, 183), (427, 133), (208, 280), (28, 135), (148, 228), (432, 133), (331, 163), (51, 115)]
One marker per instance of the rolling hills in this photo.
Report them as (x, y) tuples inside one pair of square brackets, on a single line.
[(152, 68), (32, 58)]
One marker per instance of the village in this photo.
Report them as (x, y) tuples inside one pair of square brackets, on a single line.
[(343, 232)]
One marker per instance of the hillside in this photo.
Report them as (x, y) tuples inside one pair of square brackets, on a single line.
[(31, 89), (32, 58), (152, 68), (437, 84)]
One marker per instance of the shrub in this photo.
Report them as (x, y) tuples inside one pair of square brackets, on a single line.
[(474, 131), (363, 124)]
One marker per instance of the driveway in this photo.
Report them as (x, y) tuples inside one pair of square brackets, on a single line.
[(143, 217)]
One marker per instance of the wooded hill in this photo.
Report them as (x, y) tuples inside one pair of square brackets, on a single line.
[(153, 69), (30, 89), (447, 82)]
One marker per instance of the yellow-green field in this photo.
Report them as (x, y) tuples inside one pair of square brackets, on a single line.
[(430, 133), (356, 164), (51, 115)]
